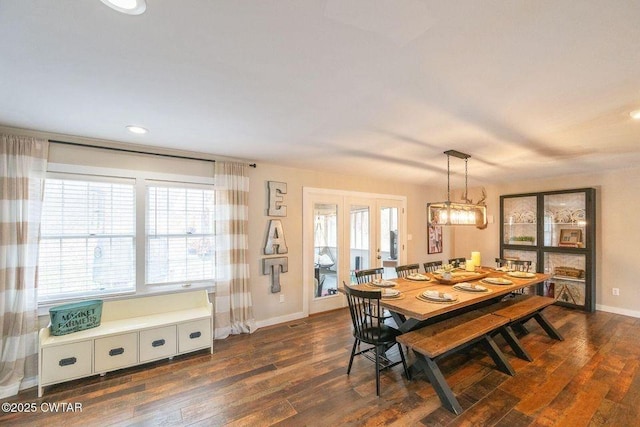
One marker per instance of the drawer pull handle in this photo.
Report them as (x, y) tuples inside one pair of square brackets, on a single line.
[(194, 335), (157, 343), (68, 361), (116, 351)]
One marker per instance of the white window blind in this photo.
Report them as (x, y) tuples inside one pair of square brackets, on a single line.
[(180, 234), (87, 245)]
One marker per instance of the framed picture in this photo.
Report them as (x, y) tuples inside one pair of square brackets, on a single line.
[(570, 237), (435, 239)]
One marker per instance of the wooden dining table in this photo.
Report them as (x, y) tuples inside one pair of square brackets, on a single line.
[(411, 312)]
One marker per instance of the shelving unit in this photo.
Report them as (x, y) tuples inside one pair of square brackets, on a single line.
[(555, 230)]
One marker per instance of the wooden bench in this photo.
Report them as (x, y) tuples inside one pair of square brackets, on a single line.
[(517, 311), (442, 339)]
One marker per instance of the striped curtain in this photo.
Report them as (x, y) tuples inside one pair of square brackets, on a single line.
[(233, 308), (23, 162)]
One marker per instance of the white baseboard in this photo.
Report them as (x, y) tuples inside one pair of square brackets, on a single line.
[(616, 310), (278, 320)]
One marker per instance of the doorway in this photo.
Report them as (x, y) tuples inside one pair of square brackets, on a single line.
[(344, 232)]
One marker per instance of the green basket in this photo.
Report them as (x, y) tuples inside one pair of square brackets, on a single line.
[(75, 317)]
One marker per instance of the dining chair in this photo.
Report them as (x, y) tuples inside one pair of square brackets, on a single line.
[(372, 330), (405, 270), (501, 262), (521, 265), (365, 276), (514, 264), (457, 261), (430, 267)]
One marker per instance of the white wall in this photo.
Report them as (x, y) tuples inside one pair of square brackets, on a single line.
[(617, 231)]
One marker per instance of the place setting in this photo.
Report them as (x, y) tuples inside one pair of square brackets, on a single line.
[(418, 277), (497, 281), (437, 297), (521, 274), (469, 287), (391, 294), (381, 283)]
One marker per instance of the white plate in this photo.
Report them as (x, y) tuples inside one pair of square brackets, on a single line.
[(438, 296), (521, 274), (390, 293), (497, 281), (469, 287), (383, 283)]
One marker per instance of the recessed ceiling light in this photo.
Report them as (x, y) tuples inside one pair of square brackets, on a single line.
[(635, 114), (130, 7), (137, 129)]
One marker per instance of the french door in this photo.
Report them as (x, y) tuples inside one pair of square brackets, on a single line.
[(345, 232)]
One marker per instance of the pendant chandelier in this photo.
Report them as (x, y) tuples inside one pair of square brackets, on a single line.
[(452, 213)]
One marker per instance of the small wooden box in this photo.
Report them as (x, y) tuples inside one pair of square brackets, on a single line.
[(75, 317)]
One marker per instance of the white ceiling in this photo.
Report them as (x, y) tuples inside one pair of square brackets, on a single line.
[(380, 87)]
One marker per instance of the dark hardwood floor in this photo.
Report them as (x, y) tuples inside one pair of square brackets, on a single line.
[(295, 375)]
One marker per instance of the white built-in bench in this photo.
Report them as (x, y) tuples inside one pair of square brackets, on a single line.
[(132, 331)]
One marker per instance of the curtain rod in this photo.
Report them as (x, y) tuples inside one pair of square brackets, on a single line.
[(126, 150)]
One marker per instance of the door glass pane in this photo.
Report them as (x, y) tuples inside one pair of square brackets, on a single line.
[(388, 245), (568, 281), (360, 251), (520, 220), (326, 249), (565, 220)]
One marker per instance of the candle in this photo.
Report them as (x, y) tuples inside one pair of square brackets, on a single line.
[(475, 257), (469, 265)]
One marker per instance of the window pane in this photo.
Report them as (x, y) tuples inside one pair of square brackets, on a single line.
[(87, 244), (180, 238)]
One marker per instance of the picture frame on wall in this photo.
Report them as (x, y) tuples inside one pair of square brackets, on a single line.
[(434, 245)]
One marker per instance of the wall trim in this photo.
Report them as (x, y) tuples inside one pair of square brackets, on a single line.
[(280, 319), (616, 310)]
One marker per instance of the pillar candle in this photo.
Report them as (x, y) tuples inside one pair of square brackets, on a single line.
[(475, 256), (469, 265)]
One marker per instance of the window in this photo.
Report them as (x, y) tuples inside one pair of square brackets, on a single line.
[(87, 244), (180, 239)]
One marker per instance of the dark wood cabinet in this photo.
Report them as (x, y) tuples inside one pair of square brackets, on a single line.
[(555, 230)]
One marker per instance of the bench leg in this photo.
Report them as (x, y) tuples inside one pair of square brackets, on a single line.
[(548, 327), (404, 362), (441, 387), (520, 328), (513, 341), (498, 357)]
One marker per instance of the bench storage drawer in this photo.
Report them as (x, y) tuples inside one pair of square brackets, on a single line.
[(66, 362), (157, 343), (116, 352), (194, 335)]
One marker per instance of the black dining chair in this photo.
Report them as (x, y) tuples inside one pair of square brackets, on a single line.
[(371, 329), (405, 270), (369, 275), (514, 264), (457, 261), (430, 267)]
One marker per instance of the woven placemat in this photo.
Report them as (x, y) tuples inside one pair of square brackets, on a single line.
[(369, 285), (469, 291), (393, 298), (495, 283), (421, 298)]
